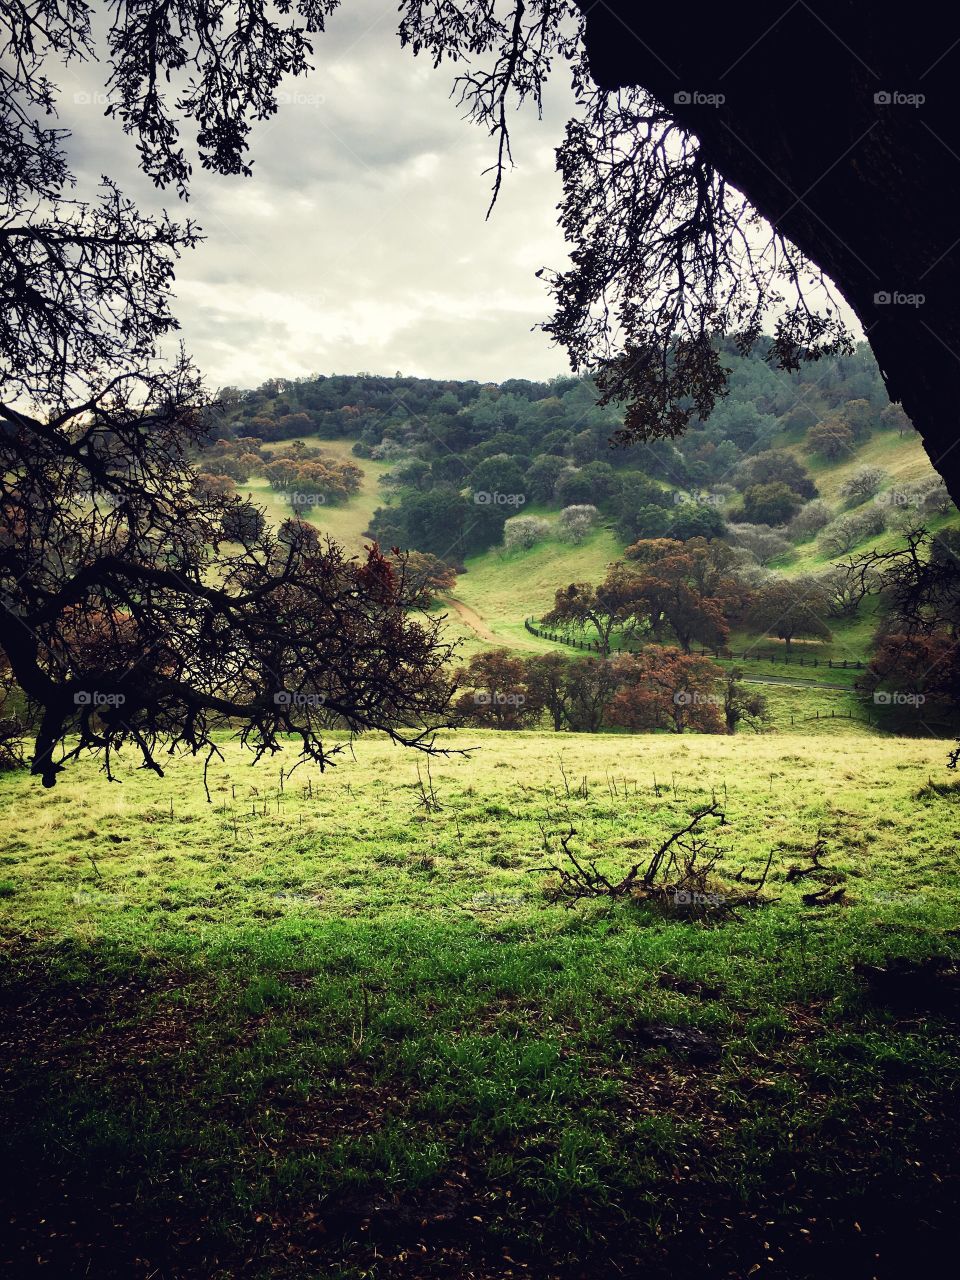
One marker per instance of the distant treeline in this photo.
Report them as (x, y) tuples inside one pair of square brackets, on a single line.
[(466, 456)]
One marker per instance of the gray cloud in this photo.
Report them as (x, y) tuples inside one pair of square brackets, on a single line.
[(360, 241)]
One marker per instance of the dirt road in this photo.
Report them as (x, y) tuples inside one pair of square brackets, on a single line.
[(469, 617)]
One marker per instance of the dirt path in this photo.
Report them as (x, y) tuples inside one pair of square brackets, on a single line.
[(796, 684), (473, 620), (478, 626)]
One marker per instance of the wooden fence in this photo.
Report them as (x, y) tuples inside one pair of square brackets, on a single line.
[(748, 655)]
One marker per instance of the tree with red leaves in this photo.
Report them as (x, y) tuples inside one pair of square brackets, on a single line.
[(497, 695), (688, 588), (662, 688), (916, 673)]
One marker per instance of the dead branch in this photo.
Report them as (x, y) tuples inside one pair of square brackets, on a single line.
[(680, 872)]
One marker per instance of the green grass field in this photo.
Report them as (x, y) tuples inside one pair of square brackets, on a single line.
[(505, 587), (317, 1028)]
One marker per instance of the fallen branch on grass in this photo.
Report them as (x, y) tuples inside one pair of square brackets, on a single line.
[(816, 867), (679, 873), (826, 895)]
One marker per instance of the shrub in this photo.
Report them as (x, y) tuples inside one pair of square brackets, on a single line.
[(865, 483), (776, 466), (799, 418), (832, 439), (214, 486), (844, 534), (387, 451), (762, 542), (936, 501), (696, 520), (871, 521), (899, 497), (541, 476), (574, 487), (839, 537), (859, 416), (809, 520), (576, 522), (906, 504), (773, 503), (643, 522), (426, 577), (523, 532)]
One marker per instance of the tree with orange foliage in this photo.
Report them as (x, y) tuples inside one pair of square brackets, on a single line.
[(662, 688), (497, 696), (689, 588), (425, 577)]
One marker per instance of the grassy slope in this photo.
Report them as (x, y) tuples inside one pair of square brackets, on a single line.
[(346, 523), (504, 588), (507, 587), (325, 1032), (902, 457)]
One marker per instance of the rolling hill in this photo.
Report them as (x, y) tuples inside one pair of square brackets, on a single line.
[(498, 589)]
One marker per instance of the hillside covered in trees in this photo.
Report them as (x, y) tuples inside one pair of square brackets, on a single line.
[(470, 462), (800, 513)]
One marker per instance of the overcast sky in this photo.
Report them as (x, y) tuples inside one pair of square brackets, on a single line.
[(360, 241)]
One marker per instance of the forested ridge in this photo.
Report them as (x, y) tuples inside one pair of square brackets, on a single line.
[(466, 457)]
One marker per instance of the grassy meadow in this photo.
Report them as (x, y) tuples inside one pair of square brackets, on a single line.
[(332, 1025), (335, 1025)]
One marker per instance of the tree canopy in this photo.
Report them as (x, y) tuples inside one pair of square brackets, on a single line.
[(673, 271)]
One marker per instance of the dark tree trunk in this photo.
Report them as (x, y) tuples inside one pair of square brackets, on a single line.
[(867, 189)]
